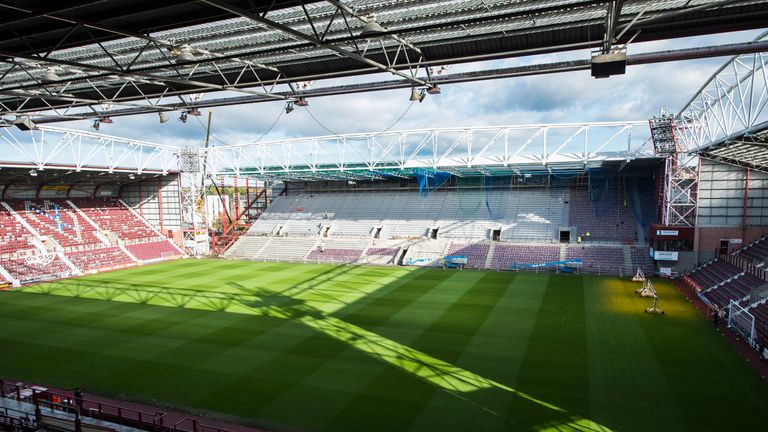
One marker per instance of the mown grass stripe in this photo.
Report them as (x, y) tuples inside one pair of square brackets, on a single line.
[(624, 374), (267, 356), (554, 368), (401, 405), (492, 352)]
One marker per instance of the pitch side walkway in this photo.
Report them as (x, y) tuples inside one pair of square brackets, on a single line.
[(170, 419), (742, 347), (16, 409)]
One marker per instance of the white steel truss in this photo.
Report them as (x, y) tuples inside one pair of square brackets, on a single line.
[(193, 200), (731, 103), (479, 150), (58, 148)]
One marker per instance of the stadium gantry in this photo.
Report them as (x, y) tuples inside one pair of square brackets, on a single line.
[(105, 59), (683, 195)]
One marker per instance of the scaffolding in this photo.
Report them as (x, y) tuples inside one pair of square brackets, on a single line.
[(193, 202), (680, 173)]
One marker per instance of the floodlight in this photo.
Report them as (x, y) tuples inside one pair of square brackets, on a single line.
[(372, 28), (50, 75), (163, 117), (131, 176), (195, 112), (289, 107), (302, 102), (417, 95), (95, 124), (435, 89), (183, 117), (184, 54), (607, 64), (33, 173)]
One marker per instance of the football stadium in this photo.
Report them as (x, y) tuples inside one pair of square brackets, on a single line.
[(562, 276)]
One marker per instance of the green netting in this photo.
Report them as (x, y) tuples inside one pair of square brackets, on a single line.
[(497, 194), (604, 193), (470, 194), (640, 192)]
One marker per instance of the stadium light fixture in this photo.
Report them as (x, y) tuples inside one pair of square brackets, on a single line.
[(195, 112), (163, 117), (51, 75), (131, 176), (96, 124), (289, 107), (182, 53), (183, 117), (417, 95), (107, 120), (33, 173), (372, 28), (302, 102), (434, 90)]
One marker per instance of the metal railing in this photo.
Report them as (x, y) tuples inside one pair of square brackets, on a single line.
[(57, 401)]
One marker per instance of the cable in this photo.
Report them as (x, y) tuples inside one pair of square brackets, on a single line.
[(408, 108), (279, 116)]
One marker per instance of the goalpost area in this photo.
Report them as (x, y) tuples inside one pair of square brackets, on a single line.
[(344, 348)]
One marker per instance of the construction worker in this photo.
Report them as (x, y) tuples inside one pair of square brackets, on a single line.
[(578, 239)]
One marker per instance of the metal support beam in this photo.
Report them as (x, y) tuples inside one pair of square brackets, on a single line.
[(337, 48), (516, 71), (611, 22)]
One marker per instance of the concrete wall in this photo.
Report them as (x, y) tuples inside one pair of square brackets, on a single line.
[(708, 238)]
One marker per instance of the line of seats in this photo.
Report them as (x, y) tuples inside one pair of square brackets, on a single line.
[(453, 222), (503, 256), (89, 245), (755, 252), (34, 268)]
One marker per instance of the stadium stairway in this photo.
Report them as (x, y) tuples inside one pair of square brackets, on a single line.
[(6, 277), (627, 250)]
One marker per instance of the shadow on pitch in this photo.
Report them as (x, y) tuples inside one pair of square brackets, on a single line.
[(526, 411)]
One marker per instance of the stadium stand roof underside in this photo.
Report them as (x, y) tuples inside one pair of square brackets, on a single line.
[(91, 59), (70, 178), (749, 150)]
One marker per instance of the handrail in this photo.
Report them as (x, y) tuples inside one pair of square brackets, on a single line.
[(88, 408), (196, 426)]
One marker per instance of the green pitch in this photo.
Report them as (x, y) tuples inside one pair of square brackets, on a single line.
[(339, 348)]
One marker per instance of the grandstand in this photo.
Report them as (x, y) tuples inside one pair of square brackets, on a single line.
[(449, 278), (51, 232), (496, 226)]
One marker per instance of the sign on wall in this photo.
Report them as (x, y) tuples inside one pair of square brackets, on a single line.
[(665, 256)]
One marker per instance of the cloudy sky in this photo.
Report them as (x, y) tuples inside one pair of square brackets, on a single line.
[(556, 98)]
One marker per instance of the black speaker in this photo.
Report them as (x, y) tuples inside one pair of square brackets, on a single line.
[(25, 124), (605, 65)]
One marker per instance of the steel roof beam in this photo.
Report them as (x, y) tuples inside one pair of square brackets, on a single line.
[(161, 80), (574, 65), (611, 22), (339, 49)]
